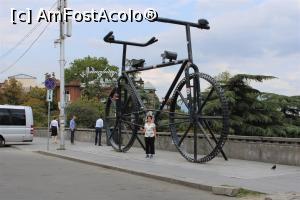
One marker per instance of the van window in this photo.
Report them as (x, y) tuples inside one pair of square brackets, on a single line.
[(18, 117), (4, 117), (12, 117)]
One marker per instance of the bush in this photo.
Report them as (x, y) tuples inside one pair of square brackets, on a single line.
[(86, 112), (36, 98)]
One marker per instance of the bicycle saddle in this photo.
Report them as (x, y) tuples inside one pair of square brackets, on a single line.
[(136, 63)]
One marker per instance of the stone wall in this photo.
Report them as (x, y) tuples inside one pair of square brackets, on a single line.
[(265, 149)]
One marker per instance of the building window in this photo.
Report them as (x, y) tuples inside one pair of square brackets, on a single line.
[(68, 96)]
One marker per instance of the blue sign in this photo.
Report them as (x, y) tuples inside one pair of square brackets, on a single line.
[(50, 83)]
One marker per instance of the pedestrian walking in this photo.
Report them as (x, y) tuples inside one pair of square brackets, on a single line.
[(98, 126), (72, 128), (54, 128), (150, 134)]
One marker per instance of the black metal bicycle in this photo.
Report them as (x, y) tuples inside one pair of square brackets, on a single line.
[(198, 111)]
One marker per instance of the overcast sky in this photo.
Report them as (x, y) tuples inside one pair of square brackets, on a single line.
[(246, 36)]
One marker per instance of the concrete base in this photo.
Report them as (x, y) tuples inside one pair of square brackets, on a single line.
[(225, 190)]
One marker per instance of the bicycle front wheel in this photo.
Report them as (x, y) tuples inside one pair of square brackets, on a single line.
[(199, 118)]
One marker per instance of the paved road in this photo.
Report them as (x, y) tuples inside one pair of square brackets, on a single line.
[(251, 175), (26, 175)]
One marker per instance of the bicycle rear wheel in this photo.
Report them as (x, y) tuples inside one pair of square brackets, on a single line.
[(199, 118), (121, 117)]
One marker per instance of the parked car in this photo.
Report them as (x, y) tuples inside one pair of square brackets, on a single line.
[(16, 124)]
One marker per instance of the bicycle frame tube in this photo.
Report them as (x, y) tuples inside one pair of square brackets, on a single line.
[(157, 66), (124, 57), (130, 82), (184, 65), (188, 85), (189, 42)]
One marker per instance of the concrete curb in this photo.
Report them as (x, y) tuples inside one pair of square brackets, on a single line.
[(143, 174), (225, 190)]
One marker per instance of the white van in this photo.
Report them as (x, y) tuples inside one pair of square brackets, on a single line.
[(16, 124)]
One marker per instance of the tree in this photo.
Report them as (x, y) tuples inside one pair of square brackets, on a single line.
[(256, 116), (253, 112), (36, 99), (12, 93), (86, 110), (93, 84), (289, 108)]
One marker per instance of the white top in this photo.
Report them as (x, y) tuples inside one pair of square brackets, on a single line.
[(149, 129), (54, 123), (99, 123)]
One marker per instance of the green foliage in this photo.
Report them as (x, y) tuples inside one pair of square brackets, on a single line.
[(255, 113), (77, 71), (249, 194), (150, 100), (36, 98), (87, 111), (12, 93)]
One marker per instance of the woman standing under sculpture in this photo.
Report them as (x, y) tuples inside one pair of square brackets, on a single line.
[(150, 134)]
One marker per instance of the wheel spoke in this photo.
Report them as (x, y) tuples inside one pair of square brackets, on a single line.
[(113, 130), (183, 99), (184, 135), (205, 134), (141, 143), (136, 112), (180, 117), (195, 143), (177, 113), (210, 117), (214, 138), (205, 101), (179, 122), (131, 123), (126, 104)]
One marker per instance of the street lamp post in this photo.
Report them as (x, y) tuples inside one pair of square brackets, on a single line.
[(62, 35)]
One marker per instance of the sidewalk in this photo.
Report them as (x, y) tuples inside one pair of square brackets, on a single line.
[(170, 166)]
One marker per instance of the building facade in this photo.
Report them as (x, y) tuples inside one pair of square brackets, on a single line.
[(72, 91), (27, 81)]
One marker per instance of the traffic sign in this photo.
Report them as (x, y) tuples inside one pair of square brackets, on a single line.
[(49, 97), (50, 83)]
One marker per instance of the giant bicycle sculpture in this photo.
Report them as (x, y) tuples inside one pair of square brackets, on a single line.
[(198, 129)]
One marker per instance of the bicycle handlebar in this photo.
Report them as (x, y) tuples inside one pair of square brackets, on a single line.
[(111, 39), (107, 37), (202, 23)]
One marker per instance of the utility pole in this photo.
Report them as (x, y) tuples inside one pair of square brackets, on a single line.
[(62, 37)]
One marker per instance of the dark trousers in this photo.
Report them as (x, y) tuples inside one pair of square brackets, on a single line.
[(72, 136), (98, 136), (149, 141)]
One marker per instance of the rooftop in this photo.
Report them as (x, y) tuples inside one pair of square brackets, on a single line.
[(21, 76)]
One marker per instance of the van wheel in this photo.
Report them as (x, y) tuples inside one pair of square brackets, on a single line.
[(2, 142)]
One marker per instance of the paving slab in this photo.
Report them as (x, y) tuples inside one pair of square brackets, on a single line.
[(251, 175)]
